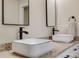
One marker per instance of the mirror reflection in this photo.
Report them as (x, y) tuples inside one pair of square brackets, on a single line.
[(50, 12), (16, 12)]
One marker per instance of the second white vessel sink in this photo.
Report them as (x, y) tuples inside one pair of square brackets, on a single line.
[(63, 38)]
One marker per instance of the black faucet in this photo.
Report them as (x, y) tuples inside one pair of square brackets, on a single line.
[(54, 30), (21, 32)]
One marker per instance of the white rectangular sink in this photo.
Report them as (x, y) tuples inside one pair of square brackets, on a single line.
[(63, 38), (32, 47)]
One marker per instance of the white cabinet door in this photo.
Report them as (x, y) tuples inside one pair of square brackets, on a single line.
[(72, 52)]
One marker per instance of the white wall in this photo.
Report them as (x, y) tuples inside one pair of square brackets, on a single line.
[(65, 9), (7, 33), (37, 27)]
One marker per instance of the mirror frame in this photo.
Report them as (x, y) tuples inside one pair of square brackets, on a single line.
[(47, 15), (3, 20)]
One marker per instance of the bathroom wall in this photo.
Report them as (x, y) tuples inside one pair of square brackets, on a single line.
[(37, 27), (65, 9), (7, 33)]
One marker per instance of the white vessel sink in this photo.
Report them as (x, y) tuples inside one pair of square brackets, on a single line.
[(32, 47), (63, 38)]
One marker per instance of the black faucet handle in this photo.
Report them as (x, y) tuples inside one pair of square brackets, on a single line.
[(55, 31), (22, 27)]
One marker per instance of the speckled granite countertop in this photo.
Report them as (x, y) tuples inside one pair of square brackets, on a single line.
[(59, 48)]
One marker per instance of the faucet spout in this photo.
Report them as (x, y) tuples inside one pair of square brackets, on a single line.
[(54, 31), (21, 32), (25, 32)]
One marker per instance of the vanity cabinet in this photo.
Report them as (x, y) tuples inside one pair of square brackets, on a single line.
[(72, 52)]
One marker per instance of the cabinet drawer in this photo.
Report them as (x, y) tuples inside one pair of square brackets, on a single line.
[(66, 54), (72, 52), (74, 48), (76, 56)]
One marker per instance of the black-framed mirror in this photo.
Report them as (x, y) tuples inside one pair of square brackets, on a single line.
[(50, 13), (15, 12)]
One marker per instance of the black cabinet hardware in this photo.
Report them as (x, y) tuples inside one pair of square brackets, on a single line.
[(67, 56), (75, 49)]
